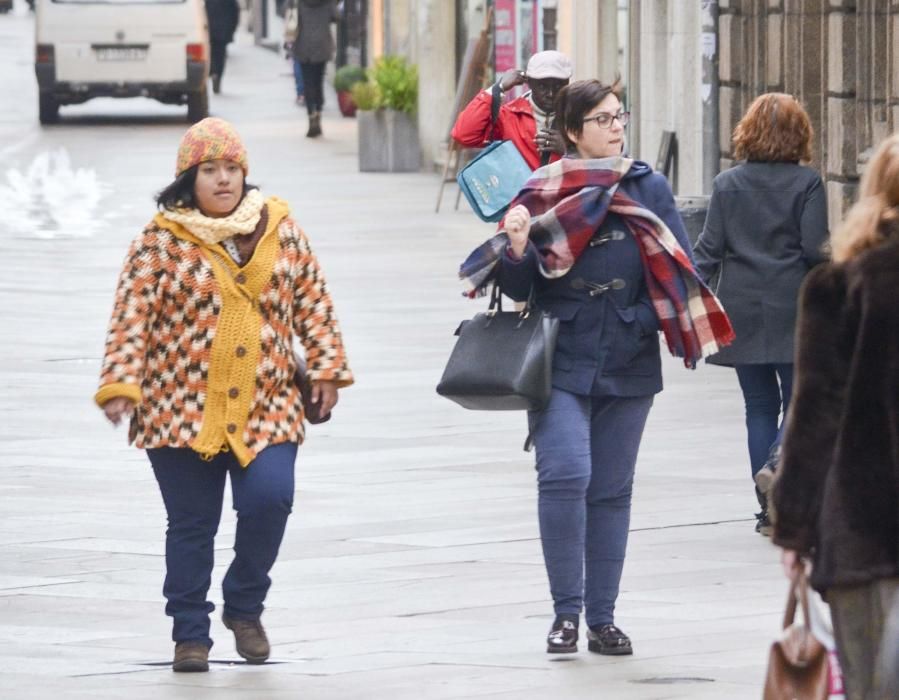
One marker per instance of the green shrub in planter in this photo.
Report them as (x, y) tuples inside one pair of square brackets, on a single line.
[(388, 130), (347, 76), (366, 96), (392, 84), (397, 82)]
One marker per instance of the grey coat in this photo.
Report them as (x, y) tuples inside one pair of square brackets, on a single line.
[(765, 229), (314, 43)]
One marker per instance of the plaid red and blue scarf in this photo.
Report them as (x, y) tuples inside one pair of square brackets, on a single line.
[(568, 201)]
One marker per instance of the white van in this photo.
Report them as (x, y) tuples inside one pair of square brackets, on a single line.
[(121, 48)]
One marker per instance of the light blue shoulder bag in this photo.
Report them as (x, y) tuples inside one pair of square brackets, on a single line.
[(493, 178)]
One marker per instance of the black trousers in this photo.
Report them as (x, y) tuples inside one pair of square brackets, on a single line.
[(313, 85), (218, 51)]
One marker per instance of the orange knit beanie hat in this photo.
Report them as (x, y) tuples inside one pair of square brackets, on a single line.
[(210, 139)]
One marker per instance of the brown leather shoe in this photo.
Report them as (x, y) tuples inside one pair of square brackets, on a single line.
[(190, 657), (250, 639)]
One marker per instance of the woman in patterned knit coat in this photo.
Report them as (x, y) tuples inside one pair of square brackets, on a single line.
[(199, 356)]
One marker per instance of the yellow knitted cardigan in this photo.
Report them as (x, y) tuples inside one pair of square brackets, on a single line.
[(204, 347)]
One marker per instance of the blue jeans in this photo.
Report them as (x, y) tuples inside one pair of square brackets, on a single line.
[(193, 491), (766, 393), (298, 77), (586, 453)]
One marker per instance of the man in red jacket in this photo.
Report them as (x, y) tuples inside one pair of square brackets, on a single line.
[(527, 120)]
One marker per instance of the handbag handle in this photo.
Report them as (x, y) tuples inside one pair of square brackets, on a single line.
[(799, 589), (496, 300)]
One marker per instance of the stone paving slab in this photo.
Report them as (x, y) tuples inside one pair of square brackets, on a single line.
[(411, 567)]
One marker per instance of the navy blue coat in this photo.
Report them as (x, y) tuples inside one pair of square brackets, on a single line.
[(609, 343)]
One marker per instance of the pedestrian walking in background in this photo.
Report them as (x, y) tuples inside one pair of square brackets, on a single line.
[(222, 16), (526, 121), (199, 356), (766, 228), (836, 495), (291, 27), (313, 48), (599, 241)]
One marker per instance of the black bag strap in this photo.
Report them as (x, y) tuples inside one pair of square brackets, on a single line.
[(495, 102)]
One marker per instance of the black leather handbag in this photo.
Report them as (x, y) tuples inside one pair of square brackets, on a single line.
[(311, 410), (502, 360)]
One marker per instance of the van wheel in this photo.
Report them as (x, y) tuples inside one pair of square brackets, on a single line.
[(48, 109), (197, 106)]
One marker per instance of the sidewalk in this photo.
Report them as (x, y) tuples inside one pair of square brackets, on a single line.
[(411, 566)]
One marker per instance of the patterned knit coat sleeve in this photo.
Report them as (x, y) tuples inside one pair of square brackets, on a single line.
[(314, 321), (136, 302)]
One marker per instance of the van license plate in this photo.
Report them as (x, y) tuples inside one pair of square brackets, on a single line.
[(121, 53)]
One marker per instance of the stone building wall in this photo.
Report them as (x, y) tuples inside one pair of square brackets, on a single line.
[(837, 56)]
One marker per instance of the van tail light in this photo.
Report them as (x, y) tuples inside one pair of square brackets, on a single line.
[(44, 53), (196, 52)]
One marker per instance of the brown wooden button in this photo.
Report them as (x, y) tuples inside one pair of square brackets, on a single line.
[(240, 351), (231, 428), (233, 392), (240, 278)]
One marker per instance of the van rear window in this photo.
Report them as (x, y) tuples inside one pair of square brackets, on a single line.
[(118, 2)]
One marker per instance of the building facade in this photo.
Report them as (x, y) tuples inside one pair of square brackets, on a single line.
[(690, 67)]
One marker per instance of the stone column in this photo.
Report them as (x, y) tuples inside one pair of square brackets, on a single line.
[(436, 31), (666, 89)]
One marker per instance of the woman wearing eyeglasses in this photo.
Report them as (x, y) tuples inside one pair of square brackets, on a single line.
[(597, 236)]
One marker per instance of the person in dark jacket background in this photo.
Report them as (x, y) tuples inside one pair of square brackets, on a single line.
[(766, 228), (836, 496), (313, 48), (222, 17), (527, 121), (607, 254)]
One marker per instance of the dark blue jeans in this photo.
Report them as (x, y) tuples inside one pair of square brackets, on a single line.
[(298, 77), (193, 491), (766, 393), (586, 453)]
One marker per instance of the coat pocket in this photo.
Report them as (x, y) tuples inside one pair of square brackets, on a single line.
[(633, 343), (566, 311)]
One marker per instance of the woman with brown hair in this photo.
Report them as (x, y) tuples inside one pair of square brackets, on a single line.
[(595, 238), (765, 229), (837, 493)]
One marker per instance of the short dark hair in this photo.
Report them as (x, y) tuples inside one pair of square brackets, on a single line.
[(180, 192), (574, 101)]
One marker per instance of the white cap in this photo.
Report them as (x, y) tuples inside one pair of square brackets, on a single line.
[(549, 64)]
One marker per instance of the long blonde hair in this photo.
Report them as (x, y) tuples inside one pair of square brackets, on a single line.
[(875, 216)]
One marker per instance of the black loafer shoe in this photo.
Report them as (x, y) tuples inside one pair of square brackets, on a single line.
[(562, 638), (608, 640)]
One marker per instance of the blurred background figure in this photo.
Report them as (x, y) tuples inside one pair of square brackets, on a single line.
[(765, 229), (836, 496), (527, 121), (313, 48), (223, 16), (291, 27)]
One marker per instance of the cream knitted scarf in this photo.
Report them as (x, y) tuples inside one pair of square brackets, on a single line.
[(212, 230)]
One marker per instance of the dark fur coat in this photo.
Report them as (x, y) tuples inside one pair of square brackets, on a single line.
[(837, 494)]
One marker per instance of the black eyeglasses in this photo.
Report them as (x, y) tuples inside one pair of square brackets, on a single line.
[(604, 119)]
